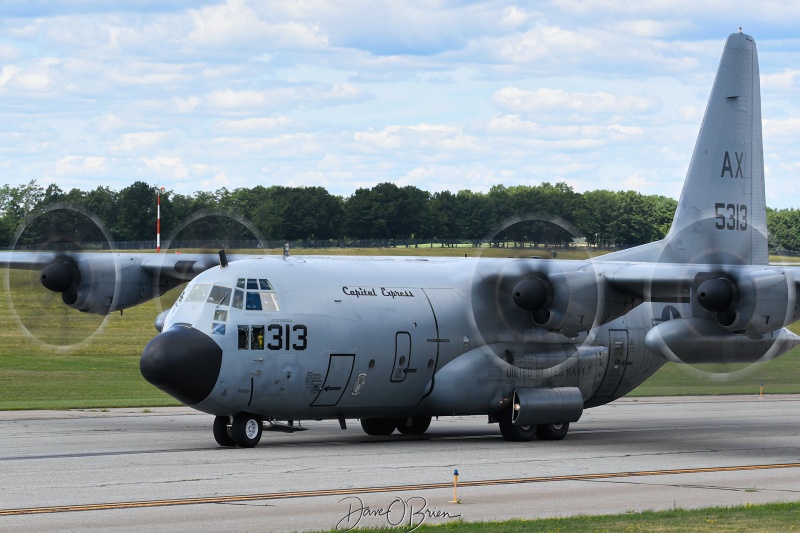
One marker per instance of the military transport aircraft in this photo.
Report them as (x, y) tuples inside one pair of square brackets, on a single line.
[(393, 342)]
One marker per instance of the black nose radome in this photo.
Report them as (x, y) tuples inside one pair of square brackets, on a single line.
[(183, 362)]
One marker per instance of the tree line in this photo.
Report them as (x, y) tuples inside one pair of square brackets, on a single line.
[(546, 213)]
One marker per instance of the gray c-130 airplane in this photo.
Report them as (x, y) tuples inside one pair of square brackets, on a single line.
[(394, 342)]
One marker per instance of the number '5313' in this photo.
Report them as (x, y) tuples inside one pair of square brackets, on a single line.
[(731, 216)]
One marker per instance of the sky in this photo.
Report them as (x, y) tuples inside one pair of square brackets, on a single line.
[(442, 95)]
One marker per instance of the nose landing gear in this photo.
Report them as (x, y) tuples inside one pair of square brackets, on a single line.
[(244, 430)]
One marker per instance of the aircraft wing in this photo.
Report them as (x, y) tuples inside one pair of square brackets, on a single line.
[(103, 282), (756, 299), (571, 297), (562, 296)]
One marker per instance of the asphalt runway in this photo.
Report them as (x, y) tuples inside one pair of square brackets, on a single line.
[(131, 469)]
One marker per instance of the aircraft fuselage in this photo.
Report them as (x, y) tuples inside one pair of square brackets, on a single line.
[(314, 338)]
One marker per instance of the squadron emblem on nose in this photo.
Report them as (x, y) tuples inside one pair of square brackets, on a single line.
[(359, 384)]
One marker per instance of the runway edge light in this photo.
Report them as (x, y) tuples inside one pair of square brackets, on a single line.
[(455, 487)]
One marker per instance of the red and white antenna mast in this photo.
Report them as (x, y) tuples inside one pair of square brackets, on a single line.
[(158, 220)]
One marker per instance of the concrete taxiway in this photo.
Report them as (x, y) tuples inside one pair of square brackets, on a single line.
[(125, 470)]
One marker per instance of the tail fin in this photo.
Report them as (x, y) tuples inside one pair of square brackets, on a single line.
[(721, 216)]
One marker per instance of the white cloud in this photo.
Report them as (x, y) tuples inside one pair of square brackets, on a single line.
[(186, 105), (542, 42), (437, 94), (236, 23), (217, 182), (230, 99), (9, 71), (690, 113), (515, 17), (37, 76), (306, 94), (634, 182), (134, 142), (255, 124), (515, 125), (618, 130), (166, 167), (550, 100), (73, 165), (651, 28), (785, 80), (789, 128), (420, 136), (109, 122), (147, 73)]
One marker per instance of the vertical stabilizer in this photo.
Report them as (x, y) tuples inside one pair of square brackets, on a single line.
[(721, 216)]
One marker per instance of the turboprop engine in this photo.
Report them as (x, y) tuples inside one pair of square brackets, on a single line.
[(103, 283), (752, 303), (571, 302), (739, 317)]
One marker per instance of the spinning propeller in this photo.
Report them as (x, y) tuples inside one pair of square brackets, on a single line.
[(530, 312), (40, 296)]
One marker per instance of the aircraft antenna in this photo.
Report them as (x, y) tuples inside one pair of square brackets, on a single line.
[(158, 219)]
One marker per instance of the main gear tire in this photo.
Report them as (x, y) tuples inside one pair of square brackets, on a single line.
[(378, 427)]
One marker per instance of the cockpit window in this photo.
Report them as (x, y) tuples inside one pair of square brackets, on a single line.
[(270, 301), (180, 299), (198, 293), (257, 337), (219, 295), (256, 298), (238, 299), (253, 302)]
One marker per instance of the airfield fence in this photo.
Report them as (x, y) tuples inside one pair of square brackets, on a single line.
[(235, 244), (253, 244)]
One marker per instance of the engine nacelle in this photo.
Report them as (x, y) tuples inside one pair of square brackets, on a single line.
[(752, 303), (571, 302), (103, 283), (702, 340)]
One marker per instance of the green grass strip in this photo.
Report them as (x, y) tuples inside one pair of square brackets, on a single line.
[(773, 517)]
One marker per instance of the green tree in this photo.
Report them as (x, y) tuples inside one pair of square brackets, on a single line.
[(136, 213), (15, 204), (784, 228)]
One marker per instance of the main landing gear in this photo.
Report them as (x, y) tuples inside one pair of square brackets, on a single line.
[(516, 433), (385, 426)]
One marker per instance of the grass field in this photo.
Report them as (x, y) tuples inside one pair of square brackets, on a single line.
[(102, 370), (777, 517)]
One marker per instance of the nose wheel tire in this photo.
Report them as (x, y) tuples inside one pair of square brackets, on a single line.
[(552, 431), (378, 426), (413, 426), (222, 432), (246, 430)]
